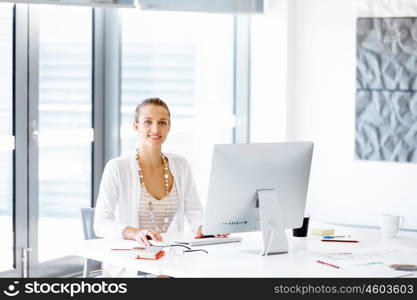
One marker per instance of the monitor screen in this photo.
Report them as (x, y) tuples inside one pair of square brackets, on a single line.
[(239, 171)]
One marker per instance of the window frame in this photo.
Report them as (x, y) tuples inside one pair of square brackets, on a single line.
[(20, 132), (242, 79), (106, 92)]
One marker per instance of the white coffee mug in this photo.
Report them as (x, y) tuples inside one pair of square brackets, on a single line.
[(390, 225)]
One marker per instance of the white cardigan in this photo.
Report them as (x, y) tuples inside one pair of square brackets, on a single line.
[(119, 194), (118, 202)]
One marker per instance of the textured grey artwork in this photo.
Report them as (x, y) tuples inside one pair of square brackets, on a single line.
[(386, 89)]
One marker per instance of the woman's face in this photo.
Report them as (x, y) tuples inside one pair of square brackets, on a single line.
[(153, 125)]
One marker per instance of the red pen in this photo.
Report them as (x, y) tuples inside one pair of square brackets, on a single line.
[(327, 264)]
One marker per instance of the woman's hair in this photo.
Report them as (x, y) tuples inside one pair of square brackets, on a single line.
[(150, 101)]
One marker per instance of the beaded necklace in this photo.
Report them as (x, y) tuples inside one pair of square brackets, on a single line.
[(166, 186)]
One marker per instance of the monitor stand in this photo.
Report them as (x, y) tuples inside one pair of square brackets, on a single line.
[(272, 223)]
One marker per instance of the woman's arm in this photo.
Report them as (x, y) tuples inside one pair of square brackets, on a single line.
[(193, 208), (105, 224)]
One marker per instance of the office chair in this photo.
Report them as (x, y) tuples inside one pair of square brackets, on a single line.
[(92, 268)]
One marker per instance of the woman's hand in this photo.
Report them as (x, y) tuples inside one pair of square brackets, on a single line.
[(142, 236), (200, 234)]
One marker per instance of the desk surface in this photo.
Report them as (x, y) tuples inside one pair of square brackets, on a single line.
[(242, 259)]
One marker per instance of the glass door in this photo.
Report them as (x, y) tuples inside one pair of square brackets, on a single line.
[(46, 136), (60, 120)]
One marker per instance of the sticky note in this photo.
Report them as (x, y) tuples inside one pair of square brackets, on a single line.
[(322, 231)]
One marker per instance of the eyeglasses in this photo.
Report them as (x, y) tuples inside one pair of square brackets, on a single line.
[(179, 250)]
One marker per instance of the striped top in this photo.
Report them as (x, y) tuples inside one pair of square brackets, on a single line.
[(163, 210)]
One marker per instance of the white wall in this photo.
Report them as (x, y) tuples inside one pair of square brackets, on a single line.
[(342, 189), (268, 115)]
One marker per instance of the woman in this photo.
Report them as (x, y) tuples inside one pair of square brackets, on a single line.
[(146, 193)]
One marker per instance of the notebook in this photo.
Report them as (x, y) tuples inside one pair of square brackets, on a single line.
[(148, 252)]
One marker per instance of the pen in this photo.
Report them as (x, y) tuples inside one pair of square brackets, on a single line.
[(370, 263), (335, 236), (340, 241), (327, 264)]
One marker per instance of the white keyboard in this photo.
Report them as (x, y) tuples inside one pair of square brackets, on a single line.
[(209, 241)]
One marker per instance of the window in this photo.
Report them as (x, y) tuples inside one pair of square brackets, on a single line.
[(190, 65), (6, 137), (65, 126)]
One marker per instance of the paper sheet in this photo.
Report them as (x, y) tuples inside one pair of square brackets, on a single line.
[(371, 261)]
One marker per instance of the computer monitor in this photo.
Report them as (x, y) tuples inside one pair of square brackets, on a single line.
[(260, 186)]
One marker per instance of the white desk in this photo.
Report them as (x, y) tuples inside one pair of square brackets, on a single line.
[(239, 260)]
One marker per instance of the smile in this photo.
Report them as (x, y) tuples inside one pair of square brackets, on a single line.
[(154, 137)]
